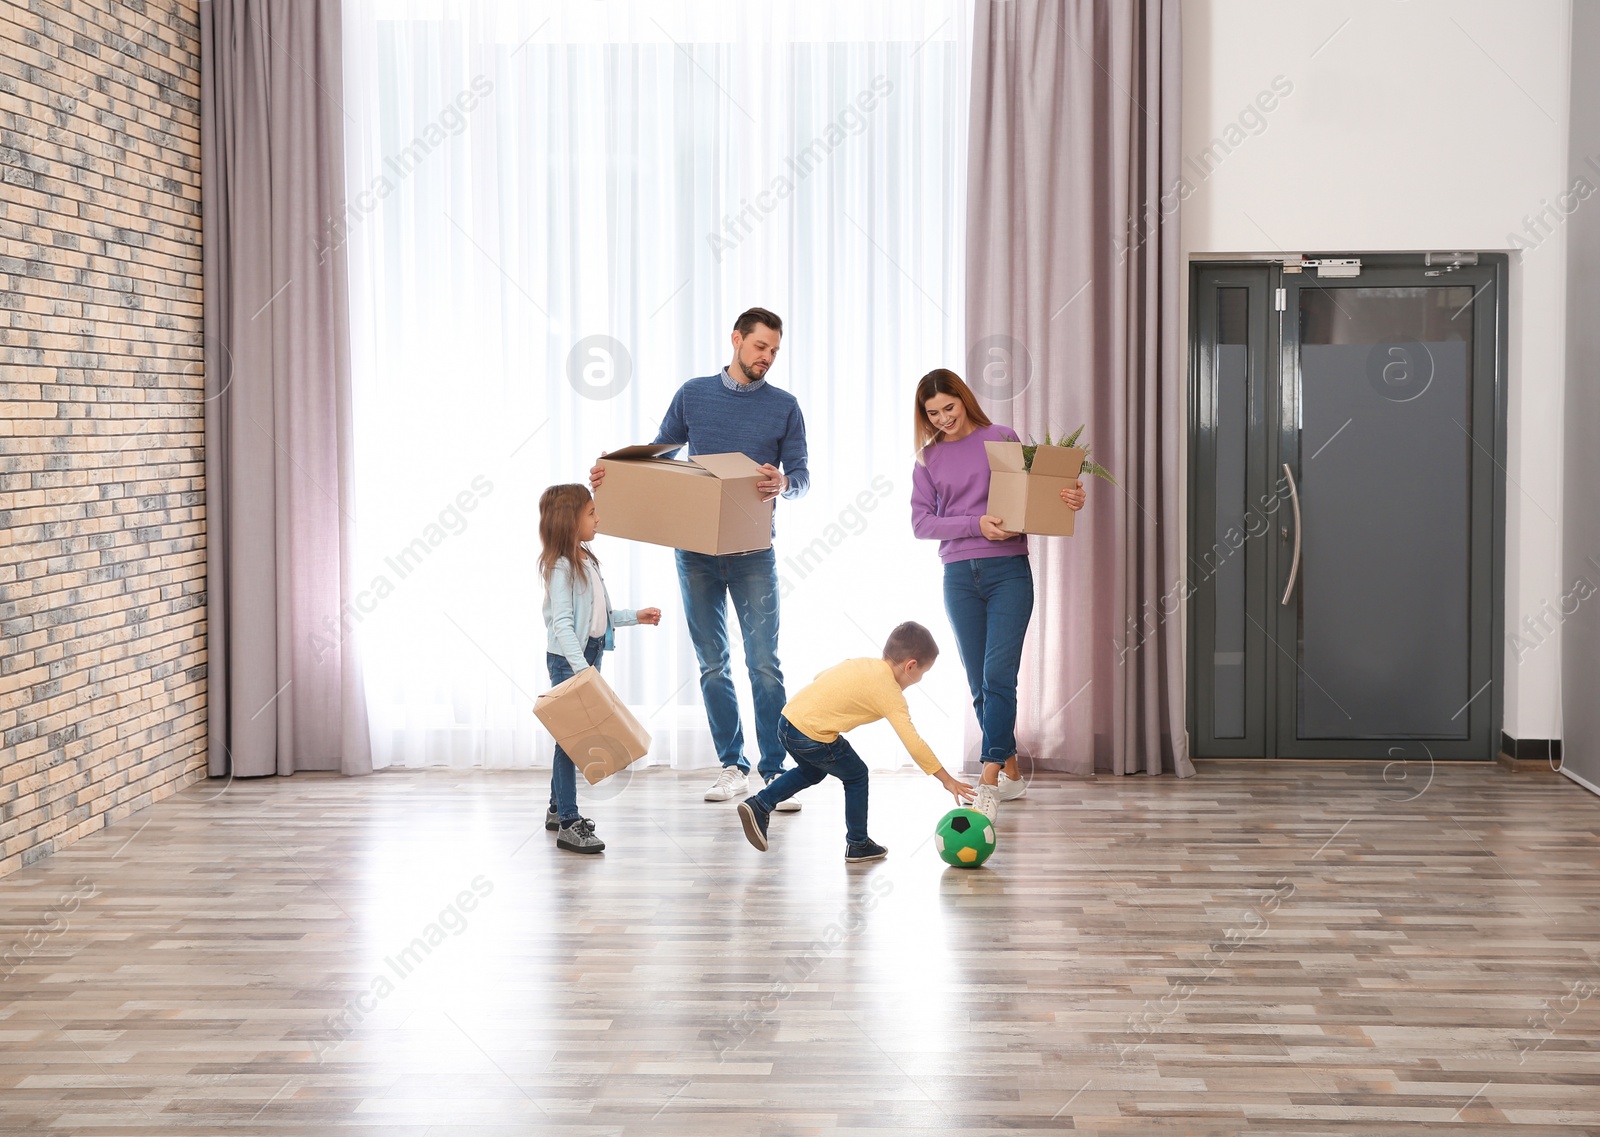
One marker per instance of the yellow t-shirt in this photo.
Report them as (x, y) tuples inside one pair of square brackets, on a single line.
[(852, 694)]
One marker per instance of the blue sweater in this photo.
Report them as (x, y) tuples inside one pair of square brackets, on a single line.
[(759, 421)]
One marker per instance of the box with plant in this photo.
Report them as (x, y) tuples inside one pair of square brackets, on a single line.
[(1030, 448), (1026, 481)]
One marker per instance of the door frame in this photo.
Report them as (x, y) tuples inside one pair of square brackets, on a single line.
[(1275, 401)]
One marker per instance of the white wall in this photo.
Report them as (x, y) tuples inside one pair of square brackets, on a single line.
[(1411, 125)]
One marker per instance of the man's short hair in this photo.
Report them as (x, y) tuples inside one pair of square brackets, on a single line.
[(750, 317), (911, 641)]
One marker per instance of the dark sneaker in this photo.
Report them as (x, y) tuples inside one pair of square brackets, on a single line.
[(578, 837), (866, 851), (552, 820), (755, 820)]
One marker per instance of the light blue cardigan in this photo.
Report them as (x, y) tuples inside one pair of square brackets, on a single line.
[(568, 606)]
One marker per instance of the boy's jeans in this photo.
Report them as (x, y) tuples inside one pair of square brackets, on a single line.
[(751, 579), (816, 760), (990, 600), (563, 774)]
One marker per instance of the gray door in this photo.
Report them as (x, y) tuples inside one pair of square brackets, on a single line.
[(1346, 504)]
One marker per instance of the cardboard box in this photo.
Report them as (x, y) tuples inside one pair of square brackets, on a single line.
[(708, 504), (1029, 501), (597, 731)]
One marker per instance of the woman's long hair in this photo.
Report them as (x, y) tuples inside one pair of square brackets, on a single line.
[(558, 528), (942, 381)]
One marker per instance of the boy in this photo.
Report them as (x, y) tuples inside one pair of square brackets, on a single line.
[(842, 698)]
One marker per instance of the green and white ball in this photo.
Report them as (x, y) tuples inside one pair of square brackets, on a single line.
[(964, 838)]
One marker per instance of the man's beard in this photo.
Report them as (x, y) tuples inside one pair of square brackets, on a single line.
[(749, 373)]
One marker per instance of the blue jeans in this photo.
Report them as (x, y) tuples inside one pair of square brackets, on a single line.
[(815, 761), (563, 774), (751, 579), (990, 600)]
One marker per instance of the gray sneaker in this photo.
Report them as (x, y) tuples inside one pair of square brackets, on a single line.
[(787, 805), (552, 820), (578, 837)]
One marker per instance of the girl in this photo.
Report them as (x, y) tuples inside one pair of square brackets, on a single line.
[(988, 582), (578, 621)]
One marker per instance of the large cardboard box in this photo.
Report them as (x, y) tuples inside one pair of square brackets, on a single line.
[(708, 504), (597, 731), (1029, 501)]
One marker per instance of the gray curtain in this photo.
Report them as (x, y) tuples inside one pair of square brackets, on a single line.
[(285, 689), (1072, 317)]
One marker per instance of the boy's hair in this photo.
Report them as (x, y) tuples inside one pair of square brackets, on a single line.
[(911, 641), (558, 528), (750, 317)]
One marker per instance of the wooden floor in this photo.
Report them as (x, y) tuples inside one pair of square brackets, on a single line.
[(1265, 949)]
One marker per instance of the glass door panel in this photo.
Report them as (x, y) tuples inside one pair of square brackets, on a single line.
[(1228, 564), (1385, 487)]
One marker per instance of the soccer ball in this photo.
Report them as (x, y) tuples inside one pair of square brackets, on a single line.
[(964, 838)]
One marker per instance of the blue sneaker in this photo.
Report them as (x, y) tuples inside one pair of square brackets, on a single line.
[(866, 851), (755, 818)]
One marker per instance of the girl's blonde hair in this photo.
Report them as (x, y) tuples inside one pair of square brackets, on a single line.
[(942, 381), (559, 507)]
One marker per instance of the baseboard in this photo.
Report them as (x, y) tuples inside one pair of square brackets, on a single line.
[(1529, 754), (1584, 782)]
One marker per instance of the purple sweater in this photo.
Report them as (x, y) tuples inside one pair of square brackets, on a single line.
[(950, 491)]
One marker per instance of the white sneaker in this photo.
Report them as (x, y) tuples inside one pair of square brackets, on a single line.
[(788, 805), (729, 784), (987, 801), (1010, 789)]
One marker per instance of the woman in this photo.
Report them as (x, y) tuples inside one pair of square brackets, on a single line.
[(988, 582)]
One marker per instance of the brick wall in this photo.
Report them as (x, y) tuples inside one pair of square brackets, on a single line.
[(102, 562)]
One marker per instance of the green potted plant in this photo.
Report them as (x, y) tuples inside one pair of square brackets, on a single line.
[(1031, 447)]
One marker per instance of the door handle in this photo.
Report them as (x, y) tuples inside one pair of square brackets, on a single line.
[(1294, 500)]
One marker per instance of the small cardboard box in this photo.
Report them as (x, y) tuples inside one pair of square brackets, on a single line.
[(708, 504), (597, 731), (1029, 501)]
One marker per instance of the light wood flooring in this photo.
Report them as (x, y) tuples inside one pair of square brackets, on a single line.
[(1267, 949)]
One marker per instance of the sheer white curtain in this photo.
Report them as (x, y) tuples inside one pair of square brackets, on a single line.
[(555, 213)]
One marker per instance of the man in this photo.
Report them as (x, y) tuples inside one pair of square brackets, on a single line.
[(736, 410)]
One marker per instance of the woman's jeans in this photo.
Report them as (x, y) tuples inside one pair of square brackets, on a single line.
[(815, 761), (751, 581), (990, 600), (563, 774)]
